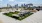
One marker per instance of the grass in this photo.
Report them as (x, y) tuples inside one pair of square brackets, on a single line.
[(16, 12), (10, 13), (25, 16), (21, 16)]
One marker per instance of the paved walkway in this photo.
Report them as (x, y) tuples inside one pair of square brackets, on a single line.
[(35, 18)]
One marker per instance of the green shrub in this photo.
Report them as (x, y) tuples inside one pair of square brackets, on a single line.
[(21, 16), (16, 12), (8, 14)]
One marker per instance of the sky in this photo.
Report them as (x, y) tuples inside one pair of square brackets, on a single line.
[(19, 2)]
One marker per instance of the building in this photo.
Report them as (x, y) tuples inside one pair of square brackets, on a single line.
[(16, 6), (27, 5), (22, 5), (30, 5)]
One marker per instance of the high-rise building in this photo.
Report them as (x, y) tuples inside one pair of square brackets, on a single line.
[(22, 5), (8, 5), (16, 6), (30, 5)]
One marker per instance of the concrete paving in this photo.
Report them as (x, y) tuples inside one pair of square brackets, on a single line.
[(34, 18)]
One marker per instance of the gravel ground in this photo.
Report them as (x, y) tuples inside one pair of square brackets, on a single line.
[(35, 18)]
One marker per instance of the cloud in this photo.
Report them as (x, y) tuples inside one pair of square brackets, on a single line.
[(11, 0), (1, 0), (23, 2)]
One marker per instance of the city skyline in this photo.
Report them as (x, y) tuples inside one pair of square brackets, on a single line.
[(19, 2)]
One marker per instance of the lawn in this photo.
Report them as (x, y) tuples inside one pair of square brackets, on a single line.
[(25, 15), (21, 16), (10, 13)]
